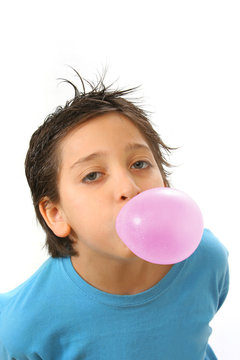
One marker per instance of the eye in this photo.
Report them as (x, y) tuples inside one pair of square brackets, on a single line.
[(141, 162), (92, 177)]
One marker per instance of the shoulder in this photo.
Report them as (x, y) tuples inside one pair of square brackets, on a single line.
[(208, 266), (20, 306), (23, 289), (12, 302), (213, 249), (218, 256), (211, 257)]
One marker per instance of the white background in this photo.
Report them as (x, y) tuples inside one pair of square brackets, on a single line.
[(186, 56)]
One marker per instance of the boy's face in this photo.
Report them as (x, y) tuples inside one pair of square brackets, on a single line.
[(93, 192)]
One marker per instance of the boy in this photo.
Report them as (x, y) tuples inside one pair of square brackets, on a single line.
[(93, 298)]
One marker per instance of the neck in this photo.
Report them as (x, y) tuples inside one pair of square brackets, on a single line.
[(121, 277)]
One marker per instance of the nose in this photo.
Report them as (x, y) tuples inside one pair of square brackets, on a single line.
[(125, 186)]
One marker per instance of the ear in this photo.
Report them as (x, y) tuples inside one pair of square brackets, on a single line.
[(53, 216)]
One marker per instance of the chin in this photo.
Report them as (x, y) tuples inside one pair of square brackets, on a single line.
[(125, 252), (121, 250)]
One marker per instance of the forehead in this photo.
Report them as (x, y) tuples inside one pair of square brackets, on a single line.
[(106, 130)]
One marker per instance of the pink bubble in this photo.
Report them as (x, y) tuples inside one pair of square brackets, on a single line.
[(161, 225)]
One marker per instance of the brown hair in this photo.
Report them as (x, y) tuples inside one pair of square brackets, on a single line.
[(43, 161)]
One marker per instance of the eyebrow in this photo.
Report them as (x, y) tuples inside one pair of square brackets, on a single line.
[(99, 154)]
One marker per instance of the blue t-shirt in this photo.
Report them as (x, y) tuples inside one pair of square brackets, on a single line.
[(56, 315)]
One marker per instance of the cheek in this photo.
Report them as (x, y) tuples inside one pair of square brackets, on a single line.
[(161, 182), (87, 214), (155, 180), (158, 178)]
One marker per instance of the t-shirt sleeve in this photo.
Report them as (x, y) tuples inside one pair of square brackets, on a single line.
[(217, 256), (224, 286)]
